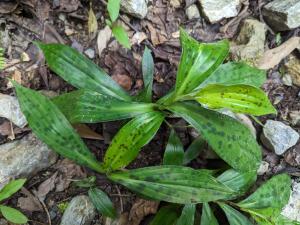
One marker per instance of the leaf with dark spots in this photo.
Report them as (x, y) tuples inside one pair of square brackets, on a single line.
[(238, 98), (207, 217), (267, 201), (198, 61), (85, 106), (233, 73), (187, 216), (127, 143), (176, 184), (231, 140), (194, 150), (79, 71), (52, 127), (234, 217), (174, 150)]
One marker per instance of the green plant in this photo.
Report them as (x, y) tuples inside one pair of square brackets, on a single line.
[(113, 8), (2, 62), (11, 214), (203, 82)]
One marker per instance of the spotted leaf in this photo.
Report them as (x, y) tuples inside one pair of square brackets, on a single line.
[(268, 200), (207, 217), (194, 150), (176, 184), (85, 106), (231, 140), (174, 150), (77, 70), (233, 73), (234, 217), (187, 216), (238, 98), (52, 127), (127, 143)]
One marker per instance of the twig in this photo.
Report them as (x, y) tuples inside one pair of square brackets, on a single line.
[(121, 200)]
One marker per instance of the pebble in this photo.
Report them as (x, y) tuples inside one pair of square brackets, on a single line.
[(250, 43), (263, 168), (216, 10), (292, 67), (136, 8), (90, 53), (10, 109), (278, 137), (292, 209), (24, 158), (282, 14), (175, 3), (294, 117), (192, 12), (80, 211)]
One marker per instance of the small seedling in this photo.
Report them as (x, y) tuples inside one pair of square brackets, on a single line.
[(11, 214), (203, 86)]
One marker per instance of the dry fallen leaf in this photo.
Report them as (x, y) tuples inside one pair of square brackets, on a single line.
[(122, 220), (273, 56), (5, 128), (92, 24), (140, 209), (29, 203), (45, 187), (85, 132), (123, 80), (138, 38), (103, 38), (8, 6)]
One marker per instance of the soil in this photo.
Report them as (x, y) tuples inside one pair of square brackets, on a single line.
[(65, 22)]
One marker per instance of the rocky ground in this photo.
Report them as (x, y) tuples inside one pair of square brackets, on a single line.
[(263, 33)]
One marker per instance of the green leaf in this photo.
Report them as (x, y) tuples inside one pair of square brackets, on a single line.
[(121, 35), (127, 143), (84, 106), (238, 98), (234, 217), (12, 187), (198, 61), (231, 140), (148, 71), (187, 215), (102, 202), (79, 71), (166, 215), (207, 217), (51, 126), (113, 8), (237, 181), (176, 184), (13, 215), (86, 182), (174, 151), (194, 150), (269, 199), (233, 73)]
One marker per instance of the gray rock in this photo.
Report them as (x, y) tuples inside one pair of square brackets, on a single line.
[(90, 53), (278, 136), (10, 109), (292, 209), (80, 211), (192, 12), (295, 117), (282, 14), (24, 158), (292, 67), (216, 10), (250, 43), (175, 3), (136, 8)]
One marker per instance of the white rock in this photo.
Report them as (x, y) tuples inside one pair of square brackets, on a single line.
[(263, 168), (175, 3), (90, 53), (136, 8), (24, 158), (216, 10), (292, 209), (80, 211), (10, 109), (282, 14), (192, 12), (278, 136)]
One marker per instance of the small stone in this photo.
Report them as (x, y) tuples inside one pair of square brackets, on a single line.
[(24, 158), (282, 14), (287, 80), (123, 80), (278, 137), (216, 10), (136, 8), (295, 117), (263, 168), (90, 53), (292, 209), (292, 67), (80, 211), (175, 3), (192, 12), (10, 109), (250, 43)]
